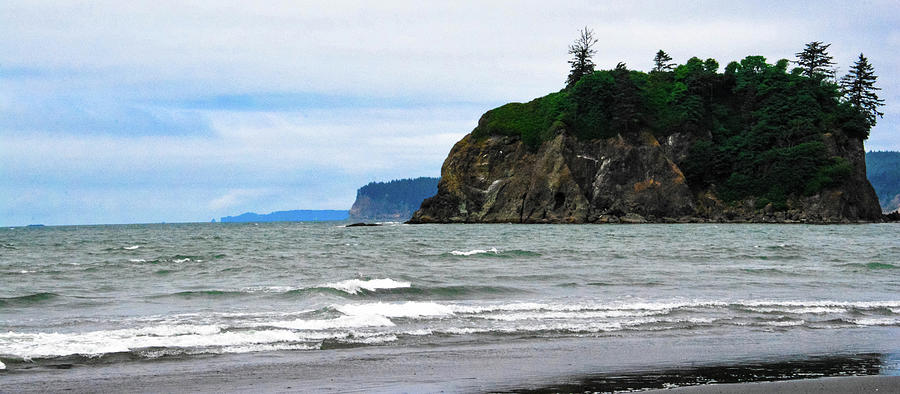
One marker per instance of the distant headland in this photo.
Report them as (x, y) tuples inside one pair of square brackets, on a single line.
[(300, 215), (392, 201)]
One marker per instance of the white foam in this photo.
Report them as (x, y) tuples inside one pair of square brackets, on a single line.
[(354, 286), (419, 332), (185, 260), (877, 322), (410, 309), (268, 289), (132, 247), (626, 308), (95, 343), (356, 321), (137, 260), (26, 272), (474, 252), (560, 315), (262, 348), (823, 303), (2, 366), (801, 310), (790, 323)]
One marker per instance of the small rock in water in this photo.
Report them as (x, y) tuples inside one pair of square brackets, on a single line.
[(361, 224)]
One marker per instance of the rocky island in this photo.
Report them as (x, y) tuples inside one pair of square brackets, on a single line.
[(755, 143)]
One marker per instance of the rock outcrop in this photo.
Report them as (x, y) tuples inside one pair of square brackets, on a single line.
[(636, 179)]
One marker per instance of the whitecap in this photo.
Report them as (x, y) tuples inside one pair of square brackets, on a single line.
[(474, 252), (132, 247), (790, 323), (822, 304), (185, 260), (137, 260), (410, 309), (419, 332), (2, 366), (268, 289), (354, 286)]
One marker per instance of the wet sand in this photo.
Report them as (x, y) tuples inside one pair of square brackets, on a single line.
[(836, 385)]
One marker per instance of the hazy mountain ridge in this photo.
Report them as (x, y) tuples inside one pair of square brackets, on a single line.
[(883, 171), (300, 215)]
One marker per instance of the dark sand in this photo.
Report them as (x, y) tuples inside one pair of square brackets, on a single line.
[(848, 385), (510, 365)]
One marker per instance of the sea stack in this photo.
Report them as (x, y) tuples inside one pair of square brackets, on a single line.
[(570, 158)]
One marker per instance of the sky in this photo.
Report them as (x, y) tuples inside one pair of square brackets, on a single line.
[(182, 111)]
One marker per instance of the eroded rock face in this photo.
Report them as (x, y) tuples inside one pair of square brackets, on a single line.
[(620, 180)]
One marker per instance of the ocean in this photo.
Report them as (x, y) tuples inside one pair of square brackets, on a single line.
[(568, 300)]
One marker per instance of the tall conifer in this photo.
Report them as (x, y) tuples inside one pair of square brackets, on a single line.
[(662, 62), (815, 61), (859, 89), (581, 50)]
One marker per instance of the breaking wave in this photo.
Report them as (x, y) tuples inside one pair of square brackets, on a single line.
[(373, 323)]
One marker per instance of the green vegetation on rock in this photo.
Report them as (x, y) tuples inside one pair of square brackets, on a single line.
[(760, 130)]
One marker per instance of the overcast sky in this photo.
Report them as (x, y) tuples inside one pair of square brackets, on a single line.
[(150, 111)]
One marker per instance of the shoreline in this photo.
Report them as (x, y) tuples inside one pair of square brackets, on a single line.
[(524, 365)]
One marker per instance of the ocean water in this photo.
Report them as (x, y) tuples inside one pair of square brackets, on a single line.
[(115, 294)]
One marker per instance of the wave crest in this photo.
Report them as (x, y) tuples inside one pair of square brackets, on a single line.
[(354, 286)]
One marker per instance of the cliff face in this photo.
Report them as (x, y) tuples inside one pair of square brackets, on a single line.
[(631, 180)]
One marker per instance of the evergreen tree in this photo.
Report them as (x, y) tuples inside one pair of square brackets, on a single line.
[(859, 89), (582, 51), (662, 62), (815, 61)]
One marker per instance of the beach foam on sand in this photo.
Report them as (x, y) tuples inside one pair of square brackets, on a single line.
[(843, 384)]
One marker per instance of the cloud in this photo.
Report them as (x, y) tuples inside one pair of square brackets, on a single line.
[(185, 104), (235, 197)]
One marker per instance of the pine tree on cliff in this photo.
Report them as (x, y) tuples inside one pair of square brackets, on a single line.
[(662, 62), (581, 50), (859, 89), (815, 61)]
